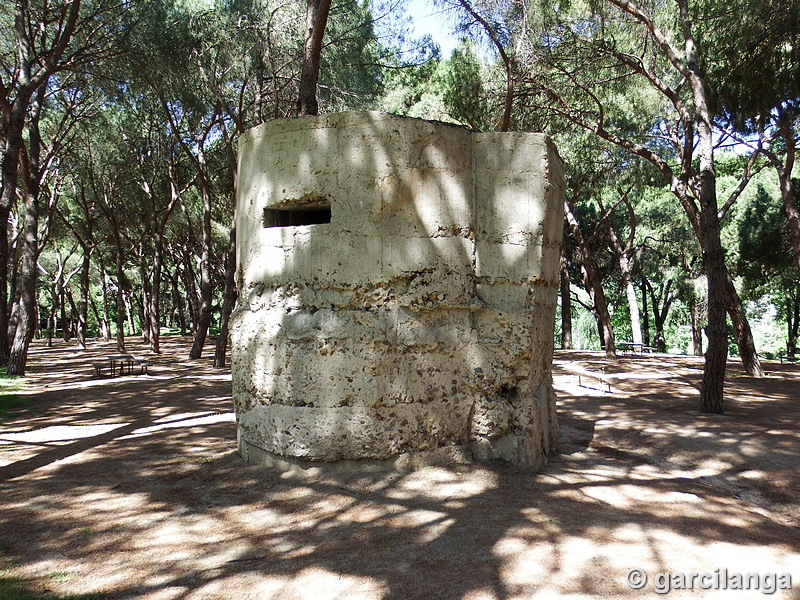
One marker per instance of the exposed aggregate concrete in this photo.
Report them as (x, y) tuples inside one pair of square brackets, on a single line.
[(418, 322)]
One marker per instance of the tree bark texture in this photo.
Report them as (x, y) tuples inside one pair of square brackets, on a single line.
[(741, 327), (120, 297), (36, 63), (26, 285), (566, 303), (130, 312), (594, 285), (784, 171), (697, 332), (66, 329), (105, 323), (508, 65), (51, 320), (633, 302), (154, 304), (14, 128), (792, 321), (645, 317), (206, 291), (179, 306), (229, 300), (661, 304), (316, 20), (26, 305), (147, 293), (625, 259), (711, 390)]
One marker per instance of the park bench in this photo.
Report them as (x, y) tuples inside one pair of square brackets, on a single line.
[(585, 374), (143, 364), (789, 359)]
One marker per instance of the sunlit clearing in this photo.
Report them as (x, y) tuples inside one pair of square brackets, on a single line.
[(180, 421), (573, 389), (223, 377), (315, 582), (441, 484), (91, 383), (57, 433)]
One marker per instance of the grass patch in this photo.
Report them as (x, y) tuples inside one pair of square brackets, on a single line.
[(13, 588), (171, 331), (10, 397)]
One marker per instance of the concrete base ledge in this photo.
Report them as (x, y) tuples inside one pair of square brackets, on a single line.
[(254, 455)]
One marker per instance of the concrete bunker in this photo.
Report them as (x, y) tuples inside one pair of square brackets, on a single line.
[(398, 284)]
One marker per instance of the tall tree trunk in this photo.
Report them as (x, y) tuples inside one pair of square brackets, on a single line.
[(633, 301), (231, 292), (83, 299), (625, 259), (598, 295), (501, 46), (144, 314), (741, 328), (73, 311), (105, 323), (178, 303), (13, 130), (65, 320), (792, 321), (711, 390), (704, 184), (29, 258), (25, 308), (316, 19), (784, 171), (5, 214), (594, 285), (26, 285), (230, 298), (697, 331), (661, 340), (566, 303), (130, 302), (120, 299), (645, 318), (51, 320), (154, 306), (206, 291)]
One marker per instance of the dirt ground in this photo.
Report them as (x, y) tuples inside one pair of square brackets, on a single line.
[(130, 487)]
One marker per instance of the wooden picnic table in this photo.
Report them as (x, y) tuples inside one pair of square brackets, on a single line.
[(633, 348), (122, 360), (119, 362)]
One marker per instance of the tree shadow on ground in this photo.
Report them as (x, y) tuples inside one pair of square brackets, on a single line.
[(162, 507)]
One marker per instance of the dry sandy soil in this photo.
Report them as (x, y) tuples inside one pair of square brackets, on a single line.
[(131, 488)]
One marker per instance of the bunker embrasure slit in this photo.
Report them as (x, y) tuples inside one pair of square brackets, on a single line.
[(297, 216)]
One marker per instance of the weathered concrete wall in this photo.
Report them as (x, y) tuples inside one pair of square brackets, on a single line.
[(420, 318)]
